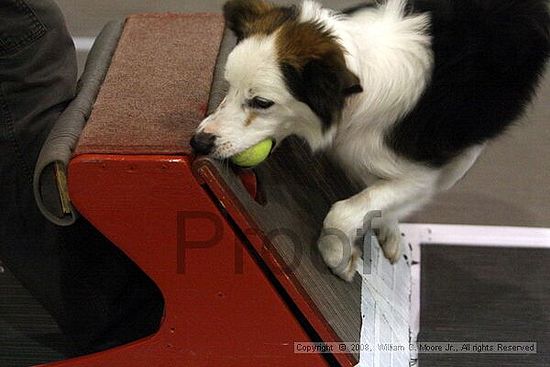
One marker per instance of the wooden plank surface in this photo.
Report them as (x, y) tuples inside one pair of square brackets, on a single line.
[(481, 294)]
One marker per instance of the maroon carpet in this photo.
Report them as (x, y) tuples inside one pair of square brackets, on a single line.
[(157, 87)]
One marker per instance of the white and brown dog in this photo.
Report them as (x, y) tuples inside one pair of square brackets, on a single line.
[(402, 94)]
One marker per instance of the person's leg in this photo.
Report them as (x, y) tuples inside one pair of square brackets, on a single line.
[(98, 297)]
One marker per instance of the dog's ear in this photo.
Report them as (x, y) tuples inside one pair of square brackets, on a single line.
[(240, 14), (323, 86)]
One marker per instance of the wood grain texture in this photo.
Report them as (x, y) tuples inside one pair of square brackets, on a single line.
[(485, 294)]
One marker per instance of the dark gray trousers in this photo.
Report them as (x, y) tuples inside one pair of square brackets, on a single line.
[(98, 296)]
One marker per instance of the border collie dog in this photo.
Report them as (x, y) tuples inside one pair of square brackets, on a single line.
[(403, 95)]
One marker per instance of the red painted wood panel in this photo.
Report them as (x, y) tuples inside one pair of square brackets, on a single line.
[(221, 310)]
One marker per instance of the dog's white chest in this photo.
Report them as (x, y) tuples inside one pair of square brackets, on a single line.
[(364, 155)]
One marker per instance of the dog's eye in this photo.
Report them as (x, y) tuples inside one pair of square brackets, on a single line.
[(259, 102)]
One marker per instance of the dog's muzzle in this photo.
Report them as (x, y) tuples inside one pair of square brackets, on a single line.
[(202, 143)]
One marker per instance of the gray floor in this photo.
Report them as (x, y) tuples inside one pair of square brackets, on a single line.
[(28, 334), (85, 18)]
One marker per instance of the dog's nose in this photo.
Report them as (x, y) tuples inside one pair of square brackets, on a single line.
[(202, 143)]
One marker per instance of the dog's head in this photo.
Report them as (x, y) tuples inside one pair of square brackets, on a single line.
[(287, 75)]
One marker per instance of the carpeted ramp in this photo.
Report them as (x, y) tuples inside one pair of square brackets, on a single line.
[(157, 87)]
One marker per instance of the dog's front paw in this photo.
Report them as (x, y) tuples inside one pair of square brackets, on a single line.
[(340, 256), (390, 241), (337, 240)]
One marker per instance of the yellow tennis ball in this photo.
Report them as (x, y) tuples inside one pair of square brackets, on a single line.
[(254, 155)]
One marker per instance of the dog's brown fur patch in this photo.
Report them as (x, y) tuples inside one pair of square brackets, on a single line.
[(299, 43), (250, 118), (270, 21)]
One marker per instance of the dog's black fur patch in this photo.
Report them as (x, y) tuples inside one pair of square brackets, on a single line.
[(489, 56), (323, 87)]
